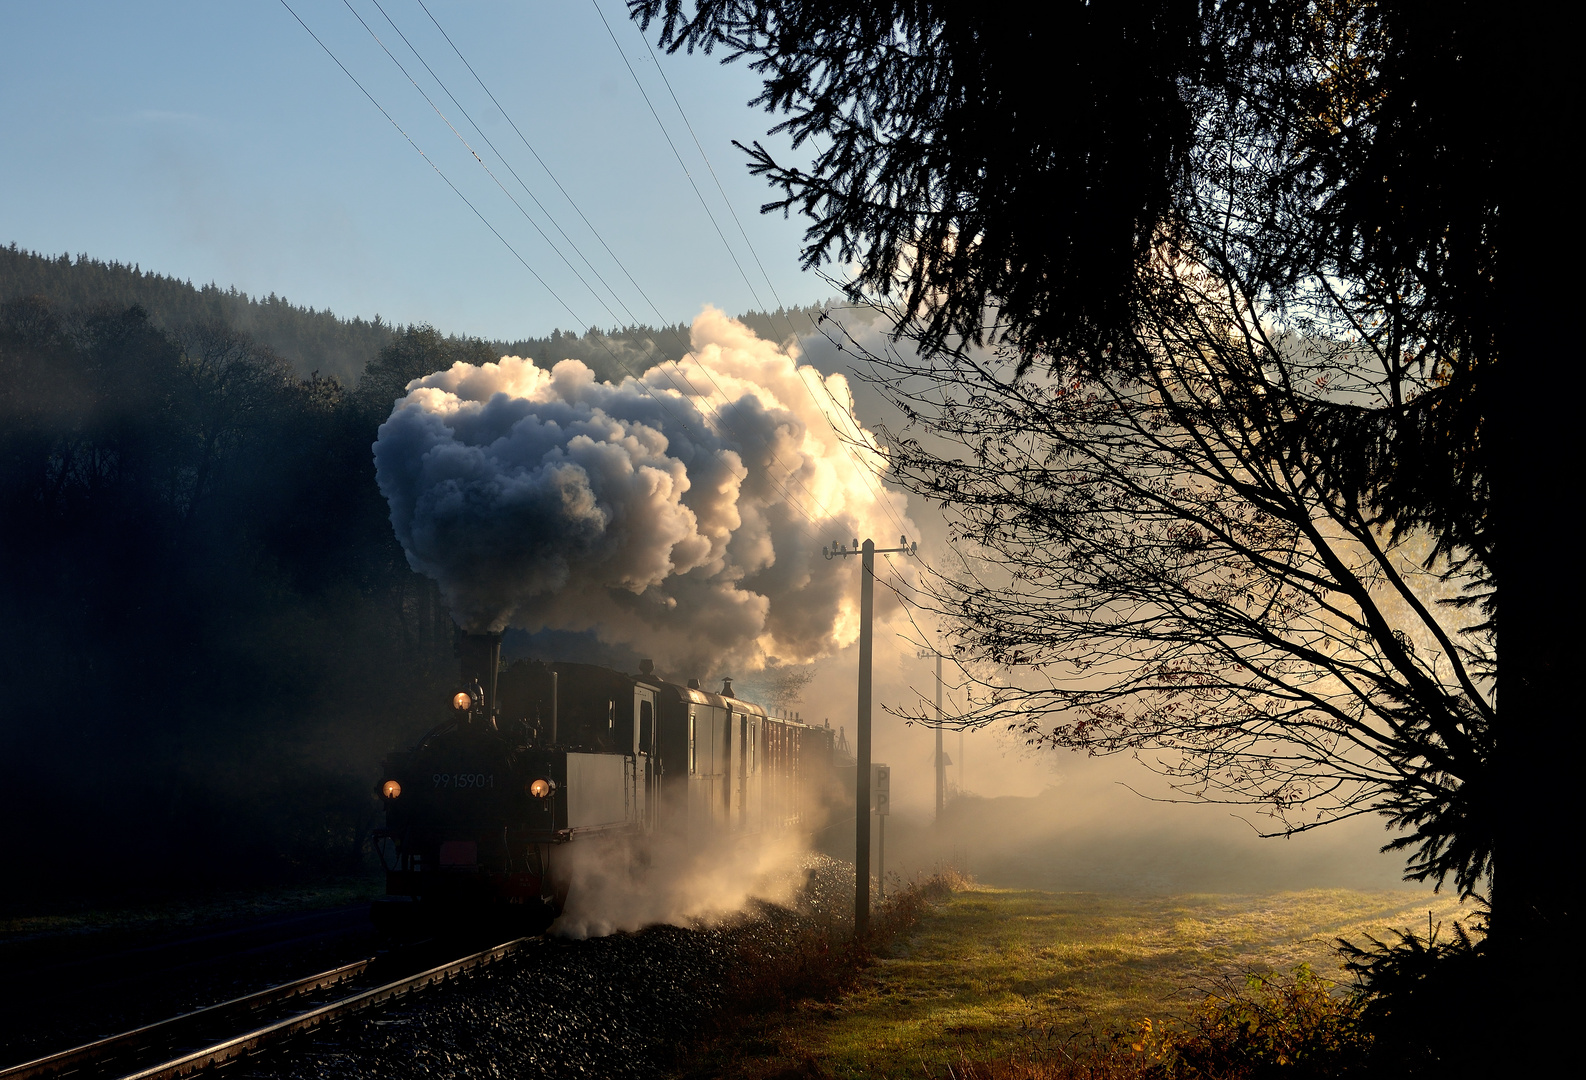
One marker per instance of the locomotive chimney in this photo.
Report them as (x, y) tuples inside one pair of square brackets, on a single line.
[(481, 657), (646, 668)]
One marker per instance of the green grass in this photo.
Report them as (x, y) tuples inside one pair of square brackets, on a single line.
[(987, 966)]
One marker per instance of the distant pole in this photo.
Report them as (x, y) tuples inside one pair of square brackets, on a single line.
[(867, 578), (882, 877), (941, 766), (867, 605)]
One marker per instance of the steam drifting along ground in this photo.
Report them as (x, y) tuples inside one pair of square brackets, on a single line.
[(681, 511), (676, 881)]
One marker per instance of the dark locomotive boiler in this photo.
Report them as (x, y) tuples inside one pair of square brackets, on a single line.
[(535, 756)]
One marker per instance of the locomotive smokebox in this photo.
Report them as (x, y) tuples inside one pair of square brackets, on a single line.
[(481, 659)]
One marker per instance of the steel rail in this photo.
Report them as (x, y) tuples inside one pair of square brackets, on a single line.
[(234, 1048), (89, 1053), (86, 1054)]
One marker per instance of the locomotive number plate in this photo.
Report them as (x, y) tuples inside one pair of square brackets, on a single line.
[(464, 780)]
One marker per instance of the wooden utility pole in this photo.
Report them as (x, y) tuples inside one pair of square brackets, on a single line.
[(867, 579)]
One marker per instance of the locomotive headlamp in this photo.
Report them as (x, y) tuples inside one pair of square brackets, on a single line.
[(390, 789), (541, 788), (462, 700)]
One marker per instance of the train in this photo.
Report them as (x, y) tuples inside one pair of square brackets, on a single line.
[(535, 756)]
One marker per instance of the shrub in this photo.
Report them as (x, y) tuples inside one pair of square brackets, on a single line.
[(1421, 999)]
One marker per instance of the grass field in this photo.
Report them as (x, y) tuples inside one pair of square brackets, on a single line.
[(988, 970)]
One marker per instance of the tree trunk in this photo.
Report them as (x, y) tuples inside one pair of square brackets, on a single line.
[(1537, 495)]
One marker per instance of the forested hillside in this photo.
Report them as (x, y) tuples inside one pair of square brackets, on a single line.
[(309, 340)]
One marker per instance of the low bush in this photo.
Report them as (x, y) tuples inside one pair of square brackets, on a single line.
[(819, 959)]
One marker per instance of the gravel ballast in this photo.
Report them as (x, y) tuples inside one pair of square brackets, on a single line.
[(618, 1006)]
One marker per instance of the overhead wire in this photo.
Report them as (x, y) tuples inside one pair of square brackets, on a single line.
[(846, 439), (668, 136), (809, 523), (506, 243), (430, 162), (548, 171), (692, 391), (459, 135)]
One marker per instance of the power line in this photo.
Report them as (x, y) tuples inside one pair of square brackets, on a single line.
[(878, 495), (508, 164), (544, 284), (474, 153), (618, 360), (808, 520), (668, 136), (737, 221), (692, 390)]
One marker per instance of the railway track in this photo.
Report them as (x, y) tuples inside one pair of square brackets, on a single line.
[(186, 1044)]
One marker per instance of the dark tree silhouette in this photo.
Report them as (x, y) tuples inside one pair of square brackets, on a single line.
[(1124, 180), (960, 161)]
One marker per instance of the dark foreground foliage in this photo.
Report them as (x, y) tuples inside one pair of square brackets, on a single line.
[(1421, 1001)]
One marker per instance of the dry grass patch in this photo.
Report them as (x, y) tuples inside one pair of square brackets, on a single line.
[(985, 971)]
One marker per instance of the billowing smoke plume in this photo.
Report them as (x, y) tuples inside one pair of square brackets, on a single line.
[(682, 513)]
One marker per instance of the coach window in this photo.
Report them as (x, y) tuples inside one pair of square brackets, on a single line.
[(691, 742)]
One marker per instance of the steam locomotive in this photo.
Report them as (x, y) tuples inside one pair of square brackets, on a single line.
[(536, 756)]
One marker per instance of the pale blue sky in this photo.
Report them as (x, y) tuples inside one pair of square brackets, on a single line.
[(216, 141)]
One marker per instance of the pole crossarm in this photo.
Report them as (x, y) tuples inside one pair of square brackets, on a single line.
[(836, 550)]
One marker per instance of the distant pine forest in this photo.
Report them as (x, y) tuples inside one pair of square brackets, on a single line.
[(320, 341), (208, 634)]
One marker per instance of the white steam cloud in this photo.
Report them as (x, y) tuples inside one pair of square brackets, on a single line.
[(682, 882), (681, 513)]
